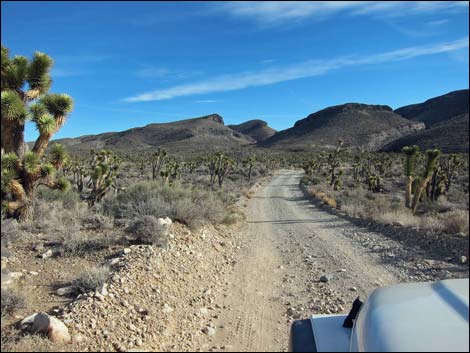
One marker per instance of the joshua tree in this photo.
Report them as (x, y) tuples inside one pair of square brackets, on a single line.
[(171, 171), (59, 156), (23, 171), (250, 162), (157, 159), (431, 160), (103, 175), (333, 162), (410, 165), (449, 166), (219, 167)]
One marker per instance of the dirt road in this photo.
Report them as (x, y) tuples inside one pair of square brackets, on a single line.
[(291, 244)]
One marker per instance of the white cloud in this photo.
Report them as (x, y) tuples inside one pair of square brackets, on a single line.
[(305, 69), (275, 12)]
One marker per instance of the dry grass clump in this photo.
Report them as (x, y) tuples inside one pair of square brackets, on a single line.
[(190, 206), (148, 230), (30, 343), (324, 197), (12, 300), (91, 279), (456, 221)]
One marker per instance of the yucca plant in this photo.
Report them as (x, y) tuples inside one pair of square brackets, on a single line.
[(220, 166), (411, 153), (157, 160), (24, 87), (103, 175), (431, 161), (250, 163)]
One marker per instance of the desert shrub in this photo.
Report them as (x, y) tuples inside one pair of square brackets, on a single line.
[(94, 220), (10, 232), (73, 244), (69, 199), (431, 223), (12, 300), (190, 206), (148, 230), (456, 222), (227, 198), (91, 279)]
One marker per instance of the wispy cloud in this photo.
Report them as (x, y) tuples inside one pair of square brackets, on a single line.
[(276, 12), (437, 22), (167, 74), (305, 69), (206, 101), (63, 72)]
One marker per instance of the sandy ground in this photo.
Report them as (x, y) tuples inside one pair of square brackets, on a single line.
[(290, 244)]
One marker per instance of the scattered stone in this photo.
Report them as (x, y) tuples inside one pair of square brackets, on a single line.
[(463, 260), (15, 275), (126, 251), (77, 338), (34, 273), (443, 275), (38, 247), (326, 278), (167, 309), (209, 331), (353, 289), (47, 254)]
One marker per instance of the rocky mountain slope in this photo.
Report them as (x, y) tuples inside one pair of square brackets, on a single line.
[(198, 134), (359, 125), (446, 120), (257, 129), (438, 109), (450, 136)]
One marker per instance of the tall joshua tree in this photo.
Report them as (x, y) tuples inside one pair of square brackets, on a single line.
[(411, 153), (24, 87)]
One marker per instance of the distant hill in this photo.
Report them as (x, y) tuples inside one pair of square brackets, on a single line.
[(359, 125), (256, 129), (438, 109), (207, 133), (451, 136)]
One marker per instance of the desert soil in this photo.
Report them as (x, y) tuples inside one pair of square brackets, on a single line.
[(229, 288), (290, 245)]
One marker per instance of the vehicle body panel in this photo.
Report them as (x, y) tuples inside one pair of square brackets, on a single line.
[(413, 317)]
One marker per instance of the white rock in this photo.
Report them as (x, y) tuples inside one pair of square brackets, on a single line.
[(47, 254), (15, 275), (52, 327), (209, 331), (65, 290), (167, 309), (34, 273), (113, 262), (126, 251)]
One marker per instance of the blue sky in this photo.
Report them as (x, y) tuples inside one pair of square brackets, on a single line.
[(128, 64)]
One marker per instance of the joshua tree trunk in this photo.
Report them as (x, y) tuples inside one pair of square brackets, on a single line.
[(408, 191), (41, 143), (13, 137), (418, 194)]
